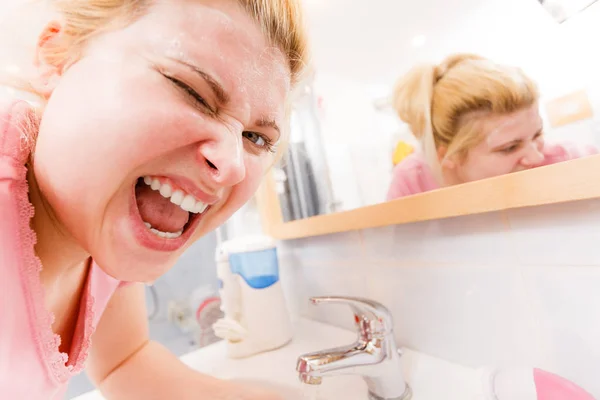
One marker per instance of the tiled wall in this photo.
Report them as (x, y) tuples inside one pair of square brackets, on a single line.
[(512, 288)]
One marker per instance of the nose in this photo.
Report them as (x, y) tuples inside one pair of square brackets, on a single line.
[(533, 155), (222, 157)]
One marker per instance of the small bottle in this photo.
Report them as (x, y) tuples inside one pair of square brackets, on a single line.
[(256, 316)]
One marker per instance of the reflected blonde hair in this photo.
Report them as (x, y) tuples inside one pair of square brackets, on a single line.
[(444, 104)]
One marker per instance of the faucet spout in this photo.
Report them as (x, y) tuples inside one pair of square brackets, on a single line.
[(347, 360), (374, 355)]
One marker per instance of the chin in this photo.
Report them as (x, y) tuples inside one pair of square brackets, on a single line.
[(121, 256), (134, 266)]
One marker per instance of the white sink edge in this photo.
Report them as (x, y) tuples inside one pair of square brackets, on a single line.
[(452, 381)]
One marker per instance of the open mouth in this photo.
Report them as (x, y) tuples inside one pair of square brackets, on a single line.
[(166, 211)]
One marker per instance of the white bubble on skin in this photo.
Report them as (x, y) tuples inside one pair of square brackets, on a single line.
[(255, 76), (515, 126), (277, 72), (497, 136)]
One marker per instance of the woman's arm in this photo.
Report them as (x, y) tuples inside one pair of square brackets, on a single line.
[(125, 364)]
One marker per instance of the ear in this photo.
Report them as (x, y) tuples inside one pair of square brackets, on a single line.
[(48, 68), (447, 163)]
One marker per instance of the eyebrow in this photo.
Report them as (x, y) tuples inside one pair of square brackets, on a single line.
[(218, 90), (223, 97), (516, 141), (269, 123)]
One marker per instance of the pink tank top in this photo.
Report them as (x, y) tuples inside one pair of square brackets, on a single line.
[(31, 366), (413, 175)]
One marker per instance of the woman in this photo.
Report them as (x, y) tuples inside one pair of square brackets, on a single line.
[(159, 120), (475, 119)]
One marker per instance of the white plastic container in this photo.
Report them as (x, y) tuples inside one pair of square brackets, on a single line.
[(256, 317)]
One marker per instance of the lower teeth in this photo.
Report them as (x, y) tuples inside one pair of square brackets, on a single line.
[(166, 235)]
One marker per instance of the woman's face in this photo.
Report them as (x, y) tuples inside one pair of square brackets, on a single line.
[(511, 143), (160, 132)]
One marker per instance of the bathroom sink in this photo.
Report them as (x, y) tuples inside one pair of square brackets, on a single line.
[(275, 370), (347, 388), (287, 392)]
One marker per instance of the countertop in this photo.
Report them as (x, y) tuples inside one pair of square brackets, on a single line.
[(277, 366), (430, 378)]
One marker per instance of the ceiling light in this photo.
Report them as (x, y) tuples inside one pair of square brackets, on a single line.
[(418, 40)]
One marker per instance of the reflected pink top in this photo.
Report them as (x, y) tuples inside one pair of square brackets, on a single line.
[(31, 366), (413, 175)]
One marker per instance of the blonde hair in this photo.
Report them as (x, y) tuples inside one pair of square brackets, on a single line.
[(443, 104), (281, 21)]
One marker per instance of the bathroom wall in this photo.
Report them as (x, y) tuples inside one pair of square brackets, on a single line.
[(518, 287)]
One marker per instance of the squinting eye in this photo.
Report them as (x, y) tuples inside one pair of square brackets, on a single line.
[(255, 138), (510, 149), (196, 98)]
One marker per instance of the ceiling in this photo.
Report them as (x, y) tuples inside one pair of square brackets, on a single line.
[(371, 40)]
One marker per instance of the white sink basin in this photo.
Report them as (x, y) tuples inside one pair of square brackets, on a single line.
[(335, 388), (429, 378), (288, 392)]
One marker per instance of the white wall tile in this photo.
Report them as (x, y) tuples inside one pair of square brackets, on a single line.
[(565, 234), (336, 248), (471, 240), (292, 281), (303, 279), (567, 304), (474, 315)]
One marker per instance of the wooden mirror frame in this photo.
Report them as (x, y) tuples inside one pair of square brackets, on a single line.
[(567, 181)]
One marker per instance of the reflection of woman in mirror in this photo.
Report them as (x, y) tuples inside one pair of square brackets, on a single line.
[(475, 119)]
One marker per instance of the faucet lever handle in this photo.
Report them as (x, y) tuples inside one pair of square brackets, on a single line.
[(370, 316)]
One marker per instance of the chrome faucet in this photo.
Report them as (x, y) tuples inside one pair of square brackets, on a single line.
[(374, 355)]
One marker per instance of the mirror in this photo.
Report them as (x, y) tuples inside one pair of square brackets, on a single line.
[(350, 149)]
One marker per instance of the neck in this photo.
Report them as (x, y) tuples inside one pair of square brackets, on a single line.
[(59, 252)]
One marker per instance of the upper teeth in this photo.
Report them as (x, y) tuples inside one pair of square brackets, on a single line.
[(187, 202)]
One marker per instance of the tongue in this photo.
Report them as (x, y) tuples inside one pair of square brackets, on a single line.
[(159, 211)]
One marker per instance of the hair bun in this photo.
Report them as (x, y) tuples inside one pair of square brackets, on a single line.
[(450, 62), (412, 98)]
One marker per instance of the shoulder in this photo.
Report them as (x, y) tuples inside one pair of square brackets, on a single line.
[(14, 153), (412, 165), (415, 160), (415, 164), (18, 126), (413, 175)]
